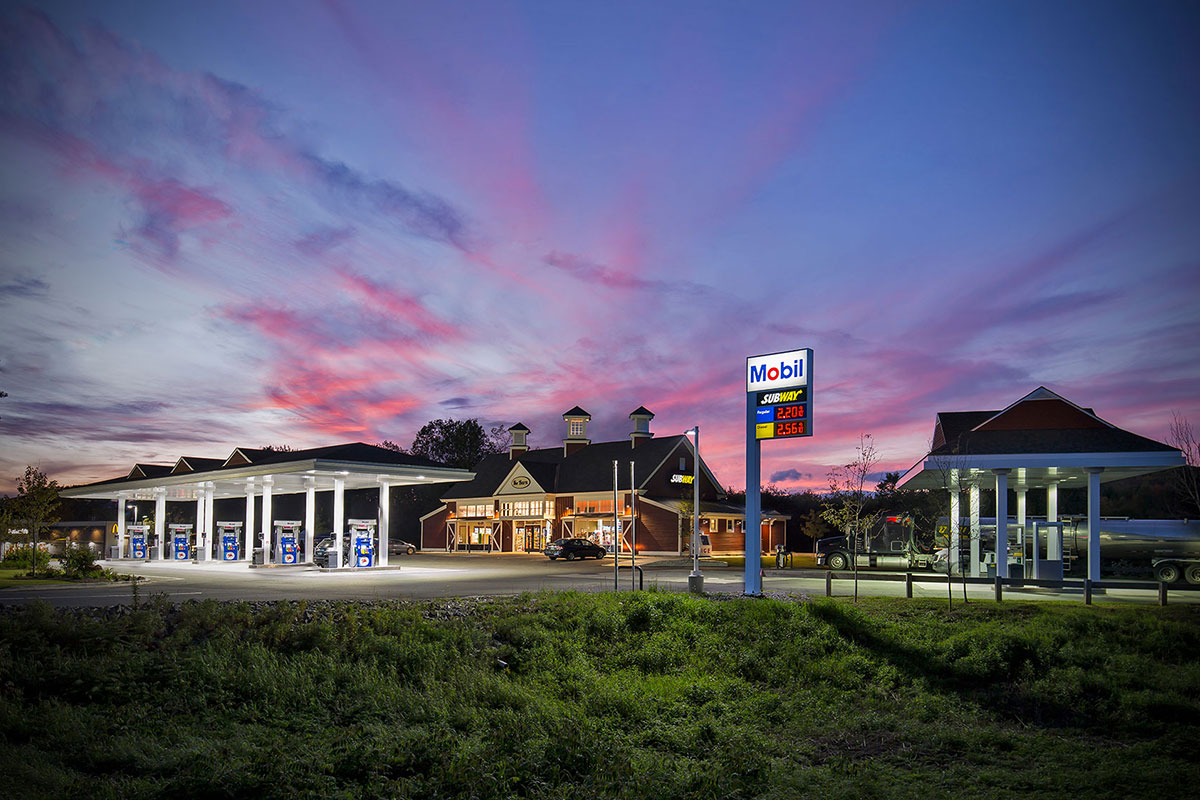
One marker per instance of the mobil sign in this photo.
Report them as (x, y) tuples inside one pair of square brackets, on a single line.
[(779, 393), (778, 370)]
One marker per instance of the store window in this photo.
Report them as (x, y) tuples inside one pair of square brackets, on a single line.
[(576, 427), (523, 508), (476, 510), (594, 506)]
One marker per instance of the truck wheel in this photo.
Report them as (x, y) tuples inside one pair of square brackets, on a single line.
[(1166, 573), (1192, 574), (838, 561)]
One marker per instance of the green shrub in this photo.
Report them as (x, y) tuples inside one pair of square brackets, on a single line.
[(80, 562), (22, 558)]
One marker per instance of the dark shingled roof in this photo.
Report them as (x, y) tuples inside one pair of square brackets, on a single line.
[(519, 427), (585, 470), (641, 411), (1097, 440), (354, 451), (200, 464), (576, 412)]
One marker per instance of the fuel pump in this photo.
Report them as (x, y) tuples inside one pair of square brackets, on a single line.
[(138, 534), (287, 537), (181, 541), (229, 534), (362, 538)]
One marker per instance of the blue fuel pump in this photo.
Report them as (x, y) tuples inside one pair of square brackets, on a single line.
[(230, 535), (362, 532), (137, 541), (181, 542), (287, 534)]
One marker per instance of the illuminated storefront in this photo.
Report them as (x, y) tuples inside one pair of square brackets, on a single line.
[(521, 500)]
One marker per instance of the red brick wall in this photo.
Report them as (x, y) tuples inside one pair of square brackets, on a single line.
[(433, 531), (658, 529)]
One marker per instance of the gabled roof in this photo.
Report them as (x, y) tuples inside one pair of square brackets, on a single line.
[(195, 464), (641, 411), (587, 469), (519, 427), (576, 412), (1043, 438), (140, 471), (1040, 422)]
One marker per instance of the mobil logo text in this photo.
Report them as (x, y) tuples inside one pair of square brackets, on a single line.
[(778, 370)]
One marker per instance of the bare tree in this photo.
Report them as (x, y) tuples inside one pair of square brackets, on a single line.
[(847, 506), (1187, 477)]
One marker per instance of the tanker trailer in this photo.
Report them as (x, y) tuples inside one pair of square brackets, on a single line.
[(1171, 548)]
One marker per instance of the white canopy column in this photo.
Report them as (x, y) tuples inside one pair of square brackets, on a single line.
[(955, 515), (1001, 522), (339, 515), (384, 521), (1093, 501), (120, 527), (160, 522), (974, 500), (1021, 509), (310, 515), (200, 526), (210, 525), (248, 549), (267, 514)]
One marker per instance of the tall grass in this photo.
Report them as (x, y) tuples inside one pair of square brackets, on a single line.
[(650, 695)]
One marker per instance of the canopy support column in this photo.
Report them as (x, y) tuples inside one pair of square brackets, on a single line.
[(268, 514), (339, 515), (200, 525), (974, 499), (120, 527), (210, 527), (954, 561), (248, 550), (1021, 509), (310, 515), (1093, 497), (384, 521), (1001, 522), (160, 522)]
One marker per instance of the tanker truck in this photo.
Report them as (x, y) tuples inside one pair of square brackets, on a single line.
[(1170, 549), (889, 544)]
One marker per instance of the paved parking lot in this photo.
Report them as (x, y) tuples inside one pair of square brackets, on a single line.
[(429, 575)]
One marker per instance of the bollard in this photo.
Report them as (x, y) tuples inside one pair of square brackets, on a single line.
[(999, 589), (908, 585), (1162, 593), (829, 584), (1087, 591)]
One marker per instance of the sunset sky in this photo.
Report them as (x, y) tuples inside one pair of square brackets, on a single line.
[(229, 223)]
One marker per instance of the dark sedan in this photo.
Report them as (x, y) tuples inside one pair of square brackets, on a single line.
[(571, 549)]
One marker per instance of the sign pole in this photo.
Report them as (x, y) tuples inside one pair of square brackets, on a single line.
[(753, 527)]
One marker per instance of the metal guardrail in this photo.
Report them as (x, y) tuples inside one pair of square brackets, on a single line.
[(1087, 586)]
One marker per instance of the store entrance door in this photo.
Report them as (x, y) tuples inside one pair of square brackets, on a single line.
[(530, 538)]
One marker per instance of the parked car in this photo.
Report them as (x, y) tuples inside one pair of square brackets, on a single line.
[(571, 549), (399, 546)]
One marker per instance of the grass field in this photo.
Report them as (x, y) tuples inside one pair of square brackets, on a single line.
[(652, 695), (16, 577)]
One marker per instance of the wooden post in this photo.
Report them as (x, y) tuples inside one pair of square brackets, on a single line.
[(829, 584), (999, 589), (1087, 591), (1162, 593), (908, 585)]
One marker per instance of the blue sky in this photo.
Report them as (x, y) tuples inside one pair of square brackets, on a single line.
[(237, 224)]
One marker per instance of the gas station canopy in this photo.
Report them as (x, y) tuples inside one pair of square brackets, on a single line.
[(355, 466), (1042, 440)]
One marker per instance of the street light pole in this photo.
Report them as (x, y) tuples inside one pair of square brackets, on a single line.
[(696, 579)]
